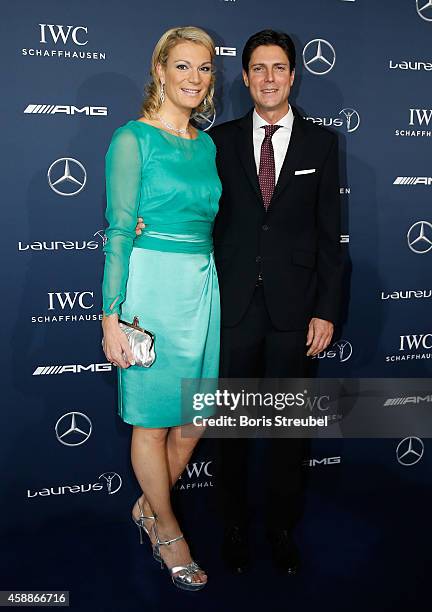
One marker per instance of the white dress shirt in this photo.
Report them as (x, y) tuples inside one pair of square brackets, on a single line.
[(280, 139)]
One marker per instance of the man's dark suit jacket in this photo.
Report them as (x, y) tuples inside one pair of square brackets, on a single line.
[(296, 243)]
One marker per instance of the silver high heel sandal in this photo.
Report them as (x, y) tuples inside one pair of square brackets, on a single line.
[(139, 522), (184, 579)]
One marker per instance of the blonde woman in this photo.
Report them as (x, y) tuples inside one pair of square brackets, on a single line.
[(163, 169)]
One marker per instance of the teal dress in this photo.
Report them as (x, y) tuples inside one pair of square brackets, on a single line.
[(166, 276)]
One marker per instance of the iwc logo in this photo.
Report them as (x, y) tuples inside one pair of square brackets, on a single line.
[(197, 475)]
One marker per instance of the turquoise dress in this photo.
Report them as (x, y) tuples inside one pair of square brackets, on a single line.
[(166, 276)]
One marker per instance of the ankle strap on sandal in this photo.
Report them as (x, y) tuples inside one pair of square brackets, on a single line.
[(142, 515), (168, 542)]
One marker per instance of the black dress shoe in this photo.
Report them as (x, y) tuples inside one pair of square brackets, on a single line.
[(286, 555), (235, 548)]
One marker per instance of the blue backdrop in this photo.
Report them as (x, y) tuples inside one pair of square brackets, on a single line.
[(73, 72)]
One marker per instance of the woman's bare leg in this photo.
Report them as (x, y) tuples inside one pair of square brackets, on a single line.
[(179, 451), (149, 455)]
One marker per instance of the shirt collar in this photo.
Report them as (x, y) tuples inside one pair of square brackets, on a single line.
[(286, 121)]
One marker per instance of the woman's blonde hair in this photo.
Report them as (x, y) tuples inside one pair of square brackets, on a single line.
[(168, 40)]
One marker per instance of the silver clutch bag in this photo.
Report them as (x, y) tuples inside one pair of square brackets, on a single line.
[(141, 342)]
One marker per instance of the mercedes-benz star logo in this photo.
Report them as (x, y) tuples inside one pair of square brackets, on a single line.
[(345, 350), (66, 184), (113, 481), (419, 237), (424, 9), (352, 119), (73, 428), (319, 56), (409, 451)]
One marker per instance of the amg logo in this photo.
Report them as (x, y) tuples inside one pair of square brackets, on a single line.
[(415, 399), (72, 369), (344, 238), (232, 51), (413, 180), (323, 461), (65, 109)]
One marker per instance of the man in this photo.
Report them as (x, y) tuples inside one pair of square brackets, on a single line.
[(277, 252)]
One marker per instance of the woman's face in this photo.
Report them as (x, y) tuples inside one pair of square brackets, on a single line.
[(187, 75)]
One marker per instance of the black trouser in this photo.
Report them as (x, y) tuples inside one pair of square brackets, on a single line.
[(255, 349)]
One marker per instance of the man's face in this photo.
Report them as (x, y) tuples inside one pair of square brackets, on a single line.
[(269, 78)]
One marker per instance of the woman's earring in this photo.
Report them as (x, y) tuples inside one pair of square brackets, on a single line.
[(162, 93)]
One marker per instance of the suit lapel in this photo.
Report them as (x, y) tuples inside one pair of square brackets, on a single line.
[(293, 156), (245, 152)]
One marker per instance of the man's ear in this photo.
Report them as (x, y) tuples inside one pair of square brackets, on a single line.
[(245, 78), (292, 77)]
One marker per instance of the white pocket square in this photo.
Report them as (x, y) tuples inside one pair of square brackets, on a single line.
[(305, 171)]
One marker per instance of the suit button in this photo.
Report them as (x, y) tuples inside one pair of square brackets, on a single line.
[(258, 259), (265, 227)]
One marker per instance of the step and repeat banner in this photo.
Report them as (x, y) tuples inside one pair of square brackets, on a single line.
[(73, 73)]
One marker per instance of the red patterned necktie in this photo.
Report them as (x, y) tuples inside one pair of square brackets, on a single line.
[(267, 173)]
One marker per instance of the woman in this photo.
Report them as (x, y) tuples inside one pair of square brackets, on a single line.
[(161, 168)]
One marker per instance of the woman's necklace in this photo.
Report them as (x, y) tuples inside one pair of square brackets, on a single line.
[(171, 127)]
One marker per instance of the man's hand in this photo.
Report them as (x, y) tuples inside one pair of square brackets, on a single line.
[(139, 226), (320, 333)]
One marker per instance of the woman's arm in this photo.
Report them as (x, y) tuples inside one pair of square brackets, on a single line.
[(123, 167)]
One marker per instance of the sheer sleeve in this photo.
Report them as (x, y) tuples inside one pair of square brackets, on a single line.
[(123, 166)]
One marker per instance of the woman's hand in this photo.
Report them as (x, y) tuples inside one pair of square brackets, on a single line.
[(115, 343), (139, 226)]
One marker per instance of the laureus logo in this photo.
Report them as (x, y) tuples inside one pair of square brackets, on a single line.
[(352, 119), (112, 481), (348, 118), (341, 350)]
